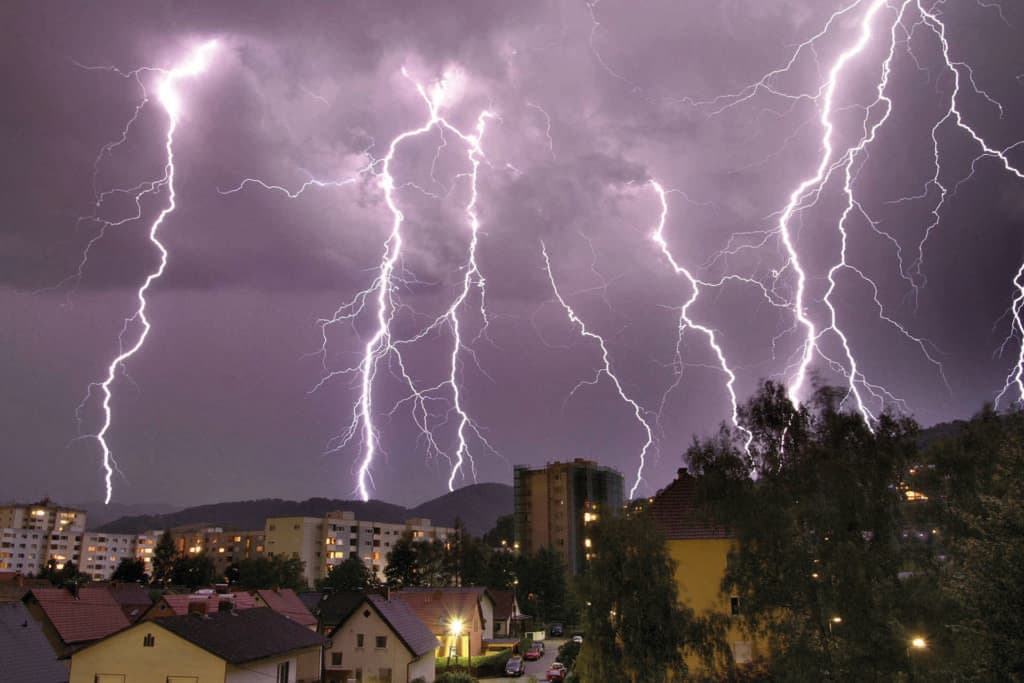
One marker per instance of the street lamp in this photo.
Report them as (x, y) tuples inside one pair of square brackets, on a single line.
[(919, 643), (455, 627)]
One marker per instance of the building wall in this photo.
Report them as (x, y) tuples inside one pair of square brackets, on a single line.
[(369, 658), (224, 548), (550, 504), (265, 670), (700, 566), (101, 552), (298, 537), (124, 653), (30, 535)]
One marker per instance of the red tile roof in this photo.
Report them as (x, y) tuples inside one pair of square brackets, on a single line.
[(680, 516), (285, 601), (180, 603), (437, 608), (94, 614)]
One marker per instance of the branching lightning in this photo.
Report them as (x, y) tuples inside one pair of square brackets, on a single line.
[(384, 348), (170, 99), (605, 370)]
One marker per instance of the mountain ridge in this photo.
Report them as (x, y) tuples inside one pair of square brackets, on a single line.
[(477, 505)]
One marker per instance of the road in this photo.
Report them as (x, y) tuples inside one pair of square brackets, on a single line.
[(538, 668)]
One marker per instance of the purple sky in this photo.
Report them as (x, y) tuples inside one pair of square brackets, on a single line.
[(591, 103)]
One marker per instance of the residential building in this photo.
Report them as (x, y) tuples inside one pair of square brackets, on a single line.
[(471, 607), (102, 552), (73, 618), (322, 542), (553, 504), (700, 549), (25, 654), (31, 535), (381, 640), (223, 647), (225, 548), (507, 617)]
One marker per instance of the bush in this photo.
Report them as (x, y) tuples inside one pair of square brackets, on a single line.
[(568, 653), (454, 677), (485, 666)]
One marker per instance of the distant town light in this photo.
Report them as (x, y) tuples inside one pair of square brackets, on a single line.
[(919, 643)]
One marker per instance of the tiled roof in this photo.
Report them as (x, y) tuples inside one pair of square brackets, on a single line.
[(679, 515), (335, 607), (311, 599), (25, 653), (133, 598), (239, 637), (92, 615), (285, 601), (504, 604), (407, 626), (180, 603), (436, 608)]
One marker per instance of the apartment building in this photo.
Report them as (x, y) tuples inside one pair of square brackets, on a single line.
[(553, 505), (102, 552), (322, 542), (223, 547), (31, 535)]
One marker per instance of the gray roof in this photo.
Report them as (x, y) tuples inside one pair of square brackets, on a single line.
[(243, 636), (413, 633), (25, 653)]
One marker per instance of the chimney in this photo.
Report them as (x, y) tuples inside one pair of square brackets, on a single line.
[(387, 593), (225, 605), (73, 589)]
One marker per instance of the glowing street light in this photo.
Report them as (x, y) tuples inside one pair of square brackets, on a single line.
[(919, 643), (455, 627)]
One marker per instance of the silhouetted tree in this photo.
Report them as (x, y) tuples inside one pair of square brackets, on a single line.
[(350, 575), (194, 571), (130, 570), (164, 556), (271, 572)]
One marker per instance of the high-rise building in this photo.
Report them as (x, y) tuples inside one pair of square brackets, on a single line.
[(102, 552), (554, 504), (31, 535)]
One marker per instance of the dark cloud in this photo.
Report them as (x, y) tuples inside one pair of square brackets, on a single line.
[(585, 116)]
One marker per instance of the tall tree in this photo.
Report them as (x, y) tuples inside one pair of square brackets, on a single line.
[(276, 571), (130, 570), (163, 558), (67, 575), (816, 505), (636, 628), (502, 534), (193, 572), (542, 589), (350, 575), (403, 570)]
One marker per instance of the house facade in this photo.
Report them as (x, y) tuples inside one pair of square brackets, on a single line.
[(225, 647), (380, 641), (700, 548)]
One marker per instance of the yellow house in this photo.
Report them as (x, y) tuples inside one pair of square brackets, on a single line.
[(700, 550), (224, 647)]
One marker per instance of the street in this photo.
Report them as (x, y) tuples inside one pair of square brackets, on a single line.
[(538, 668)]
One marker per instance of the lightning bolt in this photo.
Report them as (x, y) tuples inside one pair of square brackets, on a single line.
[(605, 370), (170, 99), (384, 348)]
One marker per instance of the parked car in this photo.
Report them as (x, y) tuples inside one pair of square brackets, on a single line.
[(533, 654), (578, 638), (556, 630), (556, 672), (515, 666), (539, 644)]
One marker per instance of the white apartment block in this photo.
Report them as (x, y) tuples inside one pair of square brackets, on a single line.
[(322, 542), (32, 535), (102, 552)]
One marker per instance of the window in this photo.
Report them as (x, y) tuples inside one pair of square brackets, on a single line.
[(384, 676), (108, 678), (283, 672), (734, 605), (336, 658), (359, 676), (382, 642), (359, 640), (149, 640)]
